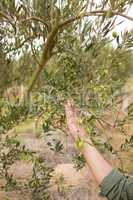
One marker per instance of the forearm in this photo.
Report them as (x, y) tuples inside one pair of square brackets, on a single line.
[(98, 165), (113, 184)]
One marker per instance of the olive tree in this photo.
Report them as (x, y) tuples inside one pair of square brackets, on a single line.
[(64, 48), (26, 23)]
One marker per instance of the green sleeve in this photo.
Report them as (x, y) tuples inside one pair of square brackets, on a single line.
[(116, 186)]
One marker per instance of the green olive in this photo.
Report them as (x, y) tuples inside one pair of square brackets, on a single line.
[(114, 34)]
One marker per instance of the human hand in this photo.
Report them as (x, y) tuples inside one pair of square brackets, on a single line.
[(72, 120)]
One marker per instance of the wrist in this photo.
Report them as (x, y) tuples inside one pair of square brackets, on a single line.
[(82, 140)]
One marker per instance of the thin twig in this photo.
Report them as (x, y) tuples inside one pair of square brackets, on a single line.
[(93, 13), (4, 15), (21, 44), (34, 18)]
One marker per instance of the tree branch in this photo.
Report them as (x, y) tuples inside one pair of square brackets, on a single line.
[(4, 15), (34, 18), (47, 52), (93, 13), (123, 15)]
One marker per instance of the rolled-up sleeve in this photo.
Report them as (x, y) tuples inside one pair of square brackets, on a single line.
[(116, 186)]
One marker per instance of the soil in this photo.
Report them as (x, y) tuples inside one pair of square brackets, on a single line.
[(76, 185)]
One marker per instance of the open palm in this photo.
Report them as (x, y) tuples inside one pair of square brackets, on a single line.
[(72, 120)]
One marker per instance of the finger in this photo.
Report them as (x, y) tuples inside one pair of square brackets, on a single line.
[(69, 113), (74, 110), (69, 103), (68, 106), (70, 118), (71, 106)]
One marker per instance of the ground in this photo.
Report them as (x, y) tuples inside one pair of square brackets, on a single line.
[(67, 183)]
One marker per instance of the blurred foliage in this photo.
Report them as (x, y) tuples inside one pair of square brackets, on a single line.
[(40, 181), (79, 161)]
